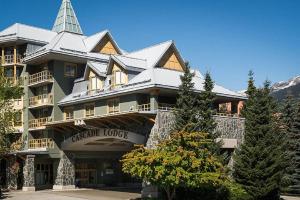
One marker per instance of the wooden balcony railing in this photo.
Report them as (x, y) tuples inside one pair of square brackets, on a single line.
[(38, 123), (40, 100), (10, 59), (15, 80), (227, 114), (40, 77), (41, 143), (165, 106), (144, 107)]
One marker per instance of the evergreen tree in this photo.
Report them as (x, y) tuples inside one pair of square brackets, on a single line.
[(185, 112), (287, 118), (206, 123), (258, 163), (295, 136)]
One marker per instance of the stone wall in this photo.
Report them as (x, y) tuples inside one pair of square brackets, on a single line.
[(12, 172), (65, 178), (228, 127), (161, 128), (28, 172)]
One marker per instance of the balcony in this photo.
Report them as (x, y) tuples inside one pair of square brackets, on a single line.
[(10, 59), (165, 106), (41, 78), (39, 123), (44, 143), (144, 107), (15, 81), (39, 101)]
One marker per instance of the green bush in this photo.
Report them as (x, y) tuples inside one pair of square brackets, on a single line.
[(236, 192), (228, 191)]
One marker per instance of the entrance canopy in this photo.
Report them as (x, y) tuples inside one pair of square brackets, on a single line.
[(102, 139)]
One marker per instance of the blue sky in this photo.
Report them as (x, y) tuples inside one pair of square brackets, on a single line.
[(225, 37)]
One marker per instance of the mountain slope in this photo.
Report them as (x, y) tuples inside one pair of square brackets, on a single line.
[(281, 89)]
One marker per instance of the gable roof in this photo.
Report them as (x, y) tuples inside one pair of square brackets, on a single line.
[(25, 32), (154, 54), (99, 68), (93, 40), (128, 63), (66, 19)]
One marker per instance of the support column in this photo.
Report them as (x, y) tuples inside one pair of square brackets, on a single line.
[(65, 178), (12, 173), (29, 174), (15, 67), (154, 100)]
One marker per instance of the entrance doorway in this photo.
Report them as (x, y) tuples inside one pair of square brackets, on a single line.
[(101, 172), (44, 175), (86, 174)]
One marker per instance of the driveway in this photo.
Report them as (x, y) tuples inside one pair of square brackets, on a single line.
[(78, 194), (83, 194)]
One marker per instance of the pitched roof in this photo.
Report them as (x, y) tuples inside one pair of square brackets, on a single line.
[(152, 54), (99, 67), (66, 19), (166, 78), (152, 77), (128, 63), (93, 40), (24, 32)]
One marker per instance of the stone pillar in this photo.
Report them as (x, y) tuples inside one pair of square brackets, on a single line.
[(29, 174), (154, 100), (65, 176), (12, 173)]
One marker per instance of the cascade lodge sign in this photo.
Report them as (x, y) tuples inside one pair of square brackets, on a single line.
[(120, 134), (80, 140)]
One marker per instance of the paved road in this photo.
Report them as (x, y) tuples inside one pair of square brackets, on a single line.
[(291, 198), (81, 194)]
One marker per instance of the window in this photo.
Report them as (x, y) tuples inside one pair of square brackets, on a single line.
[(89, 110), (95, 83), (70, 70), (120, 77), (113, 105), (69, 113)]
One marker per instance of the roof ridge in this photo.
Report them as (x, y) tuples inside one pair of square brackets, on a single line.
[(131, 57), (106, 30), (150, 46), (31, 26)]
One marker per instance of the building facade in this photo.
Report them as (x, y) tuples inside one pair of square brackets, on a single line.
[(87, 101)]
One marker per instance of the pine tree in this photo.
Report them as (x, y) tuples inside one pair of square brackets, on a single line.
[(288, 118), (258, 163), (185, 112), (295, 136), (206, 123)]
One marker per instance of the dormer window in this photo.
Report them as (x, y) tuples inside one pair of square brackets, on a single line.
[(120, 78), (95, 83)]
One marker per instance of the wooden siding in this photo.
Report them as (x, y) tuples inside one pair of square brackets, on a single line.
[(171, 61), (106, 46)]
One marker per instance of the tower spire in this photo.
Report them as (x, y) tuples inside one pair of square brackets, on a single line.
[(66, 19)]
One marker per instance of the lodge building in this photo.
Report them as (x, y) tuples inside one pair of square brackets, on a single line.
[(87, 101)]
